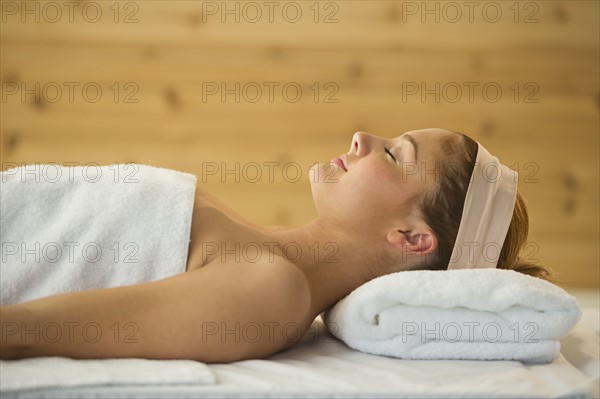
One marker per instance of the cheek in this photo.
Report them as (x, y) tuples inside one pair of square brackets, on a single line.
[(375, 188), (368, 190), (375, 178)]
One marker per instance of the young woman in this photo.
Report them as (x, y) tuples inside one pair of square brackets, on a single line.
[(379, 218)]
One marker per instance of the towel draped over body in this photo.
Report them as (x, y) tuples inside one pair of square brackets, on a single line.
[(77, 228)]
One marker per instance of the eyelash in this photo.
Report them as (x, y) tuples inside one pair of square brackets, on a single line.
[(392, 155)]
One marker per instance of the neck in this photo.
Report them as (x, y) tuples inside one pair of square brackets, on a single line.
[(333, 261)]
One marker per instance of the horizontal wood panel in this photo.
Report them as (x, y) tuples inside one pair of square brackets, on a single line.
[(565, 119), (367, 70), (572, 260), (560, 23)]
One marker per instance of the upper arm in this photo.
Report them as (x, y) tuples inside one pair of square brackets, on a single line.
[(248, 310), (219, 313), (233, 311)]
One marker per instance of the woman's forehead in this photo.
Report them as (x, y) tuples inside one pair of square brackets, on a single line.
[(427, 135)]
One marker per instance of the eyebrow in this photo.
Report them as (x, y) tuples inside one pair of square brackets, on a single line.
[(414, 143)]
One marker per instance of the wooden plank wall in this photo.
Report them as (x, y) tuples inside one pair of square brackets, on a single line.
[(361, 55)]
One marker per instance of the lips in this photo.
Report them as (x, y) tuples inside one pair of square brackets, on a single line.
[(344, 161), (340, 162)]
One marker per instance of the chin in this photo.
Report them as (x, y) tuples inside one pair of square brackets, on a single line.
[(325, 173), (320, 189)]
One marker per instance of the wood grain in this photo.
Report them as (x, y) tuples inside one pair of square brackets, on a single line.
[(364, 66)]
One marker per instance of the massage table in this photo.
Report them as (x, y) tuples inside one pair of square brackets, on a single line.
[(320, 366)]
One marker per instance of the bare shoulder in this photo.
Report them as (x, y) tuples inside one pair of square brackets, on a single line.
[(289, 286), (290, 278), (279, 280), (205, 199), (274, 281), (272, 294)]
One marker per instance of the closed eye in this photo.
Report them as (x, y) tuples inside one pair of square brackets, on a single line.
[(390, 154)]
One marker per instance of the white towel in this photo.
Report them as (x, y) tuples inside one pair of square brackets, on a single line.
[(68, 229), (485, 314), (52, 372), (138, 216)]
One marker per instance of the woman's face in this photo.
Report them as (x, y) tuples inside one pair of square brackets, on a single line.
[(375, 188)]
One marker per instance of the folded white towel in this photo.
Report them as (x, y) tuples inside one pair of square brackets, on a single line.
[(456, 314), (77, 228), (51, 372)]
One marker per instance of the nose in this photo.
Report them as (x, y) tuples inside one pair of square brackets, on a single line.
[(360, 143)]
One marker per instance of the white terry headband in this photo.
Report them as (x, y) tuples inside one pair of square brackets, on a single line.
[(487, 213)]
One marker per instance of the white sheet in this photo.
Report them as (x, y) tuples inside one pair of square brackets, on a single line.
[(323, 367), (48, 372)]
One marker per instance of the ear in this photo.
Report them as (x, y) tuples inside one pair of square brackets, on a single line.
[(419, 241)]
